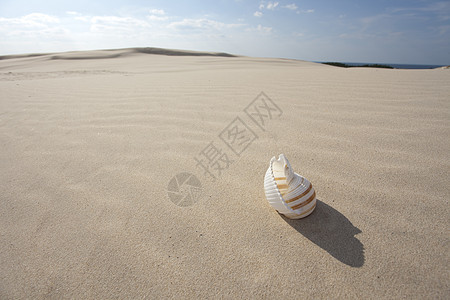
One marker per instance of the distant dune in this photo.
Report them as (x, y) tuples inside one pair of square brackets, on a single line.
[(114, 53)]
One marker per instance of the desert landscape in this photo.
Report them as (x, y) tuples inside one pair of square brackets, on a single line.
[(91, 140)]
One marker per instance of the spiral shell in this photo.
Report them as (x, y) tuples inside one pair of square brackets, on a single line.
[(289, 193)]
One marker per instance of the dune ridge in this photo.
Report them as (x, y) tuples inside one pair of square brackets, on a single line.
[(115, 53)]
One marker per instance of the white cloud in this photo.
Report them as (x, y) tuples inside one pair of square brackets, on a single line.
[(258, 14), (31, 31), (436, 7), (272, 5), (441, 10), (38, 17), (117, 25), (83, 18), (30, 21), (79, 17), (128, 21), (34, 21), (157, 12), (308, 11), (158, 15), (157, 18), (201, 24), (264, 29), (260, 29), (291, 6)]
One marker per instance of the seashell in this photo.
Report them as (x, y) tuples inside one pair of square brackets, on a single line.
[(289, 193)]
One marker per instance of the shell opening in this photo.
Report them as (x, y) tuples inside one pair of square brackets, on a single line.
[(281, 168)]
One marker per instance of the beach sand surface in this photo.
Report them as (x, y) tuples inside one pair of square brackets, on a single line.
[(90, 141)]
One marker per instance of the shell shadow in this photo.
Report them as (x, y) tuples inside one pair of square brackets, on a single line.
[(333, 232)]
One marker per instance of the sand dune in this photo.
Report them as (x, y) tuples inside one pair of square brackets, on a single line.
[(114, 53), (90, 141)]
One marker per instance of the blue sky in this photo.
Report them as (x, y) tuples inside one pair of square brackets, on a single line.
[(396, 31)]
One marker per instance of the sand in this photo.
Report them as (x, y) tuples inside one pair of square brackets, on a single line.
[(90, 141)]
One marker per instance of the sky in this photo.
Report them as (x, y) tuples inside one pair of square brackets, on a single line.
[(374, 31)]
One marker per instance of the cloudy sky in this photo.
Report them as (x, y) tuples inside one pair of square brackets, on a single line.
[(394, 31)]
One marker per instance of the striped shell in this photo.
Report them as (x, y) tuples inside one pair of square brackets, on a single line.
[(289, 193)]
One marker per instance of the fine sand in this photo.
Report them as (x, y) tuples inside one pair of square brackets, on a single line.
[(91, 140)]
